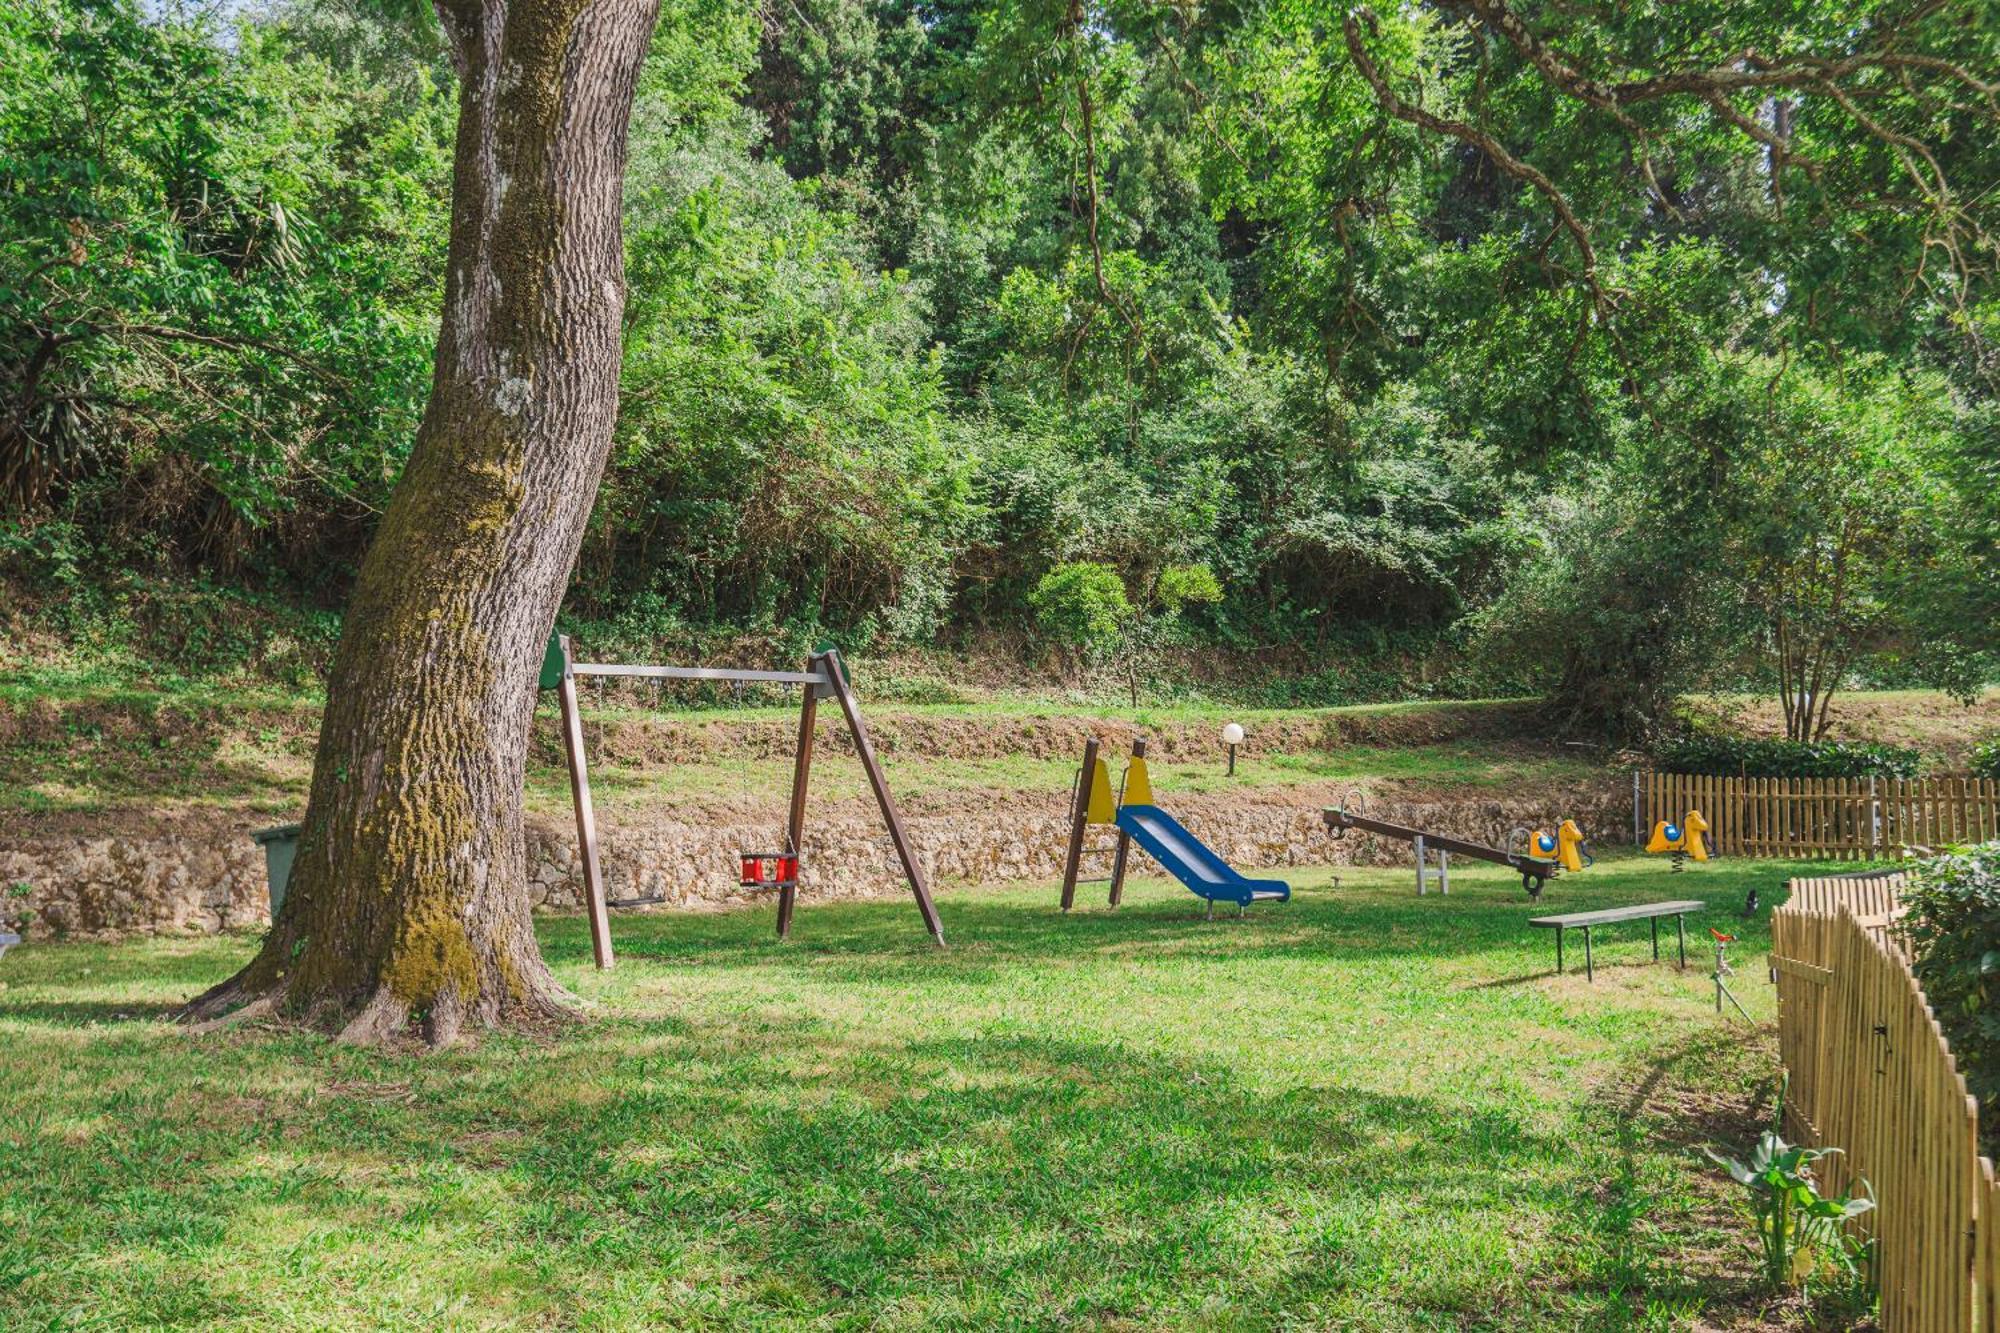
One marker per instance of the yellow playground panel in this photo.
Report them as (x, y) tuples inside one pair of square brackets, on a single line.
[(1103, 807)]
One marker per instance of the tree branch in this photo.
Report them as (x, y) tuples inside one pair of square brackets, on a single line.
[(227, 342), (1487, 144)]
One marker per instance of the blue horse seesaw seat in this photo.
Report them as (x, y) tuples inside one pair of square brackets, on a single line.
[(1189, 859)]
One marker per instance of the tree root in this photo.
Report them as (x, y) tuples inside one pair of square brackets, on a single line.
[(382, 1016), (264, 1006), (229, 1003)]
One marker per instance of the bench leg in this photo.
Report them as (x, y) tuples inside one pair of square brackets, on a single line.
[(1680, 934), (1589, 966), (1654, 922), (1559, 950)]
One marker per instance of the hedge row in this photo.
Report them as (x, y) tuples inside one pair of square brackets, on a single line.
[(1953, 928), (1985, 759), (1742, 756)]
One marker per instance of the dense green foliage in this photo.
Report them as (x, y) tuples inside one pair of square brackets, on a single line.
[(1563, 353), (1953, 929), (1984, 761), (1081, 605), (1741, 756), (216, 274)]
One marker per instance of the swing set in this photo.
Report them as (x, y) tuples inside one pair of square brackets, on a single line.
[(825, 676)]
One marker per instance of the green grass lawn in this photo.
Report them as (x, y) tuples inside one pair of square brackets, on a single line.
[(84, 776), (1361, 1110), (122, 749), (1468, 765), (93, 765)]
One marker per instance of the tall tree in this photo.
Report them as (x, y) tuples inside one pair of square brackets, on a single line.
[(408, 899)]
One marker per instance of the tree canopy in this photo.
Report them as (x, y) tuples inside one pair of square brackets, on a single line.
[(1607, 351)]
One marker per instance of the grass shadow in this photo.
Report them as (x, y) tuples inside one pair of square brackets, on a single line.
[(991, 933)]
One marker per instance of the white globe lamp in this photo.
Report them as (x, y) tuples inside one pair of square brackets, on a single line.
[(1232, 736)]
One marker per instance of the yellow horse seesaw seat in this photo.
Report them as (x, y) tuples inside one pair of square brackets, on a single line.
[(1565, 846), (1680, 840)]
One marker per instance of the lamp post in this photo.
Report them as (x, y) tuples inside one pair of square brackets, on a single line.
[(1232, 736)]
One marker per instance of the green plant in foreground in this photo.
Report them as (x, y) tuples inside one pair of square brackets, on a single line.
[(1801, 1232)]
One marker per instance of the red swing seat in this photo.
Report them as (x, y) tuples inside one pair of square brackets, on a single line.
[(768, 870)]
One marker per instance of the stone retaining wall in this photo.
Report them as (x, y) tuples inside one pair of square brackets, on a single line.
[(213, 880)]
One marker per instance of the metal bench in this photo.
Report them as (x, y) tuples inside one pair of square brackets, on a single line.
[(1648, 912)]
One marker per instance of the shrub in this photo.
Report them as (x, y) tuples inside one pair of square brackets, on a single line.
[(1800, 1231), (1743, 756), (1187, 585), (1953, 930), (1985, 759), (12, 917), (1082, 606)]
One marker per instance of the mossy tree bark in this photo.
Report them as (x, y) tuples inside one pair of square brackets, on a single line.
[(408, 899)]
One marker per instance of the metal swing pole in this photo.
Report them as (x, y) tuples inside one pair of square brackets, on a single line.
[(826, 675)]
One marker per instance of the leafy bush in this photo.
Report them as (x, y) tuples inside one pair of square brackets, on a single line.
[(1743, 756), (1186, 585), (1082, 606), (1953, 930), (12, 917), (1985, 759), (1801, 1232), (1619, 585)]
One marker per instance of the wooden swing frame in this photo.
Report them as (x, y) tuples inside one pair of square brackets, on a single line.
[(825, 676)]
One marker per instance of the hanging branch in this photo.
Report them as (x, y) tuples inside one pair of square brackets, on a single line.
[(1752, 71), (1495, 151), (1087, 117)]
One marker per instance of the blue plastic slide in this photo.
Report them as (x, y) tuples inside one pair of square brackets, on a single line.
[(1188, 859)]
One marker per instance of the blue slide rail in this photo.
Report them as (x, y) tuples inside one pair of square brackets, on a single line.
[(1189, 860)]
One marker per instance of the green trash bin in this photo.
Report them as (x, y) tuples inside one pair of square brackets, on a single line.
[(280, 845), (552, 664)]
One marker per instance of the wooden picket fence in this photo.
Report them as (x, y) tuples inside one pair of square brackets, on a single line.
[(1871, 1074), (1823, 818)]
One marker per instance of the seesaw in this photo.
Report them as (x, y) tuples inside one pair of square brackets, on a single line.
[(1535, 871)]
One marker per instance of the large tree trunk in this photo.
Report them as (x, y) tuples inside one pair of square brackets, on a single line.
[(409, 896)]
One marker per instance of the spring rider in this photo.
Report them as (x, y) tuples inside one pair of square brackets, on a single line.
[(1566, 846), (1682, 840)]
